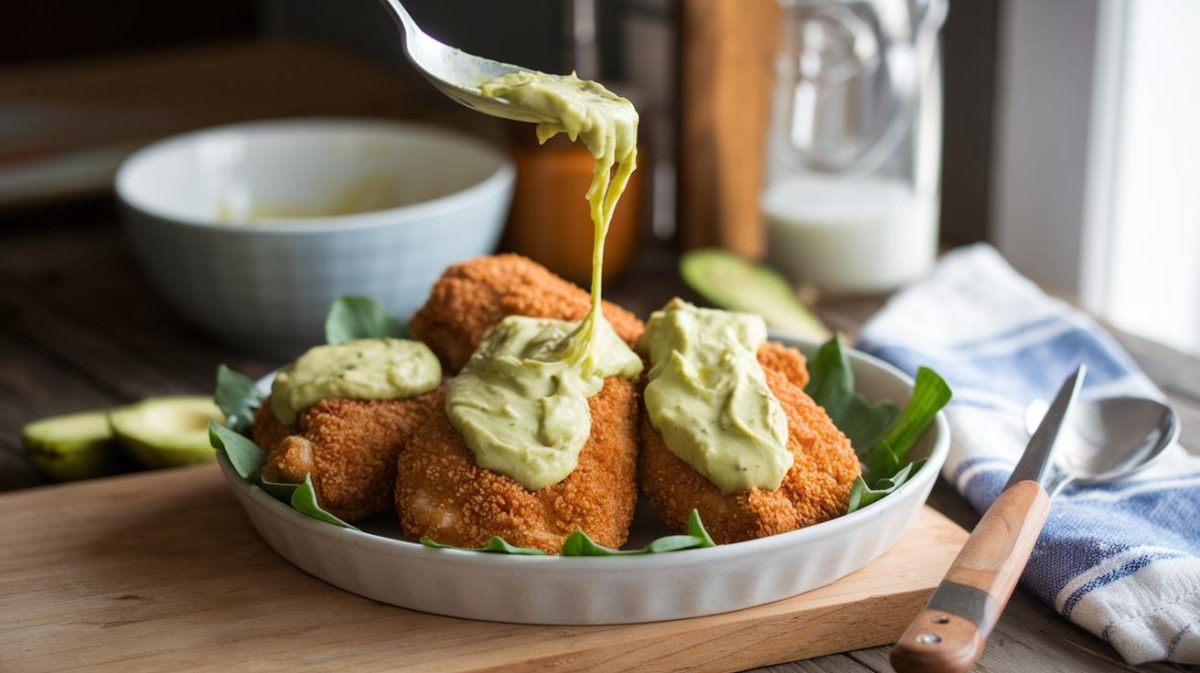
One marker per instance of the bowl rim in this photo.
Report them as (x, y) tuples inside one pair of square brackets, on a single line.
[(406, 215), (552, 563)]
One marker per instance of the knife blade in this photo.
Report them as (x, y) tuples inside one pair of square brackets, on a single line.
[(1039, 453)]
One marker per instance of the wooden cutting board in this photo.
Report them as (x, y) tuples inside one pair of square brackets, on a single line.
[(162, 571)]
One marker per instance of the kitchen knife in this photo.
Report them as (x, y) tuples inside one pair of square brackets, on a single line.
[(950, 633)]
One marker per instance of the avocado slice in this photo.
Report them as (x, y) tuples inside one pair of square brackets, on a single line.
[(730, 282), (74, 446), (167, 431)]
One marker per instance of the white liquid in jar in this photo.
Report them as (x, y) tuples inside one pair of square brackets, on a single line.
[(850, 236)]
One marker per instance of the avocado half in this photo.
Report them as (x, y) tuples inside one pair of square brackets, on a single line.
[(72, 447), (732, 283), (167, 431)]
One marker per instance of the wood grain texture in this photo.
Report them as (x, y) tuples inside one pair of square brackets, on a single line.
[(726, 76), (162, 571)]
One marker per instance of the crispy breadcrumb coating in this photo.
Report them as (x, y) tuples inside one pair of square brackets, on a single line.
[(471, 297), (441, 493), (784, 360), (268, 430), (815, 489), (349, 447)]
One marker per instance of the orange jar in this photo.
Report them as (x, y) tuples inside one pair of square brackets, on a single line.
[(550, 221)]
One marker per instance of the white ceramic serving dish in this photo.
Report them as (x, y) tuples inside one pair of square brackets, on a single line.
[(606, 590), (434, 198)]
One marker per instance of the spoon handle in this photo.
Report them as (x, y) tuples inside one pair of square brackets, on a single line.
[(949, 634)]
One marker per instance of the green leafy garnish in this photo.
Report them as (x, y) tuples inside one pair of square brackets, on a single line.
[(696, 530), (304, 500), (243, 454), (353, 317), (579, 544), (496, 545), (238, 398), (281, 491), (930, 394), (862, 495), (831, 385), (881, 436), (247, 459)]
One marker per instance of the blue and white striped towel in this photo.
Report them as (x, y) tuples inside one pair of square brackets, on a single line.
[(1122, 560)]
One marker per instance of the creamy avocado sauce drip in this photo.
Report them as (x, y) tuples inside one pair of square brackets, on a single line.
[(708, 397), (521, 402), (607, 125), (367, 369)]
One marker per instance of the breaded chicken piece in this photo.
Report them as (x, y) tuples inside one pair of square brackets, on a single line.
[(348, 446), (268, 430), (441, 493), (470, 298), (784, 360), (815, 489)]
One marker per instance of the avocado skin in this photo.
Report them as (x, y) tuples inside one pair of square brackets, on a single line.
[(74, 460), (73, 446)]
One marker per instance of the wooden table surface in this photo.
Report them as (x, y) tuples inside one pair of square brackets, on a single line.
[(80, 329)]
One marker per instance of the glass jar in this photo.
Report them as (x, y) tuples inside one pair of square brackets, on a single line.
[(850, 202)]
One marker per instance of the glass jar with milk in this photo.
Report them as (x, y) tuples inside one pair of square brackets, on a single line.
[(853, 151)]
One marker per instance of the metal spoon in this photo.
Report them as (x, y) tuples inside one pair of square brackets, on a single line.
[(455, 72), (1092, 441), (1109, 438)]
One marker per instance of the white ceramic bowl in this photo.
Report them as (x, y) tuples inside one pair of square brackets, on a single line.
[(607, 590), (265, 287)]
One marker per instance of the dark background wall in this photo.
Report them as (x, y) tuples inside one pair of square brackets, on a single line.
[(969, 42)]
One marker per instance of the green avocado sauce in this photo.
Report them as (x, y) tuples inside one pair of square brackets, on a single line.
[(521, 401), (367, 369), (708, 397)]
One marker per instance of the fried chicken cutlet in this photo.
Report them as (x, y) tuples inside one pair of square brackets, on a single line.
[(348, 446), (441, 492), (471, 297), (816, 488)]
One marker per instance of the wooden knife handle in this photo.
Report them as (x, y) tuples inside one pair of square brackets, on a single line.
[(949, 634)]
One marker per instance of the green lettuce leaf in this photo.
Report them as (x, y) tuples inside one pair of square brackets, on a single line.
[(280, 490), (244, 455), (579, 544), (247, 459), (696, 530), (862, 495), (353, 317), (881, 435), (930, 394), (831, 385), (496, 545), (238, 398), (304, 500), (302, 497)]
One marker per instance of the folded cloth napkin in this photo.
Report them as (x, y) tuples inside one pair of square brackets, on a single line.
[(1121, 560)]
